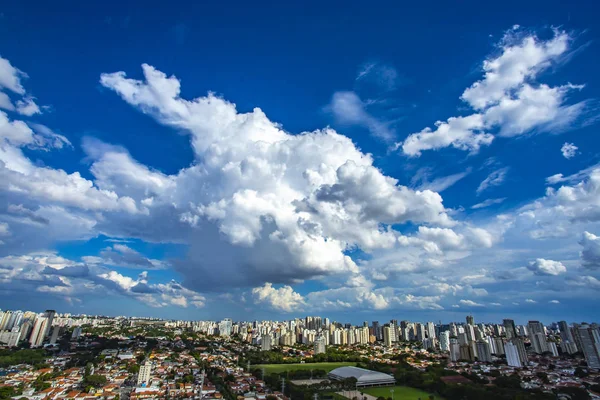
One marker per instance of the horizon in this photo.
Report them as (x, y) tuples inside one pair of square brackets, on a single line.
[(365, 162), (292, 318)]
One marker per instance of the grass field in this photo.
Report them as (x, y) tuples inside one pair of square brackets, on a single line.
[(400, 393), (327, 366)]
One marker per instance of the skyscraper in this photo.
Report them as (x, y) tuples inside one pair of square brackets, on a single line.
[(430, 330), (387, 336), (144, 374), (49, 314), (483, 351), (568, 343), (454, 350), (509, 327), (319, 345), (537, 336), (377, 331), (265, 342), (512, 355), (225, 327), (589, 345), (445, 341), (38, 333), (470, 320)]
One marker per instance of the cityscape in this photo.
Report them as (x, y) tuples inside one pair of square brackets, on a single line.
[(65, 356), (299, 200)]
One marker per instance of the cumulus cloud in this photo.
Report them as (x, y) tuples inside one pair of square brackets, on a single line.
[(27, 107), (10, 77), (576, 202), (507, 101), (70, 279), (282, 299), (590, 254), (569, 150), (288, 205), (531, 301), (542, 266)]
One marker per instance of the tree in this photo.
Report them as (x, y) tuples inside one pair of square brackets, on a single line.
[(94, 380), (580, 372), (543, 377)]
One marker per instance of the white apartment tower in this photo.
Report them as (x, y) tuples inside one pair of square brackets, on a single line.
[(144, 374)]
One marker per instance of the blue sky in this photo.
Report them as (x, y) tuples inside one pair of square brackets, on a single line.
[(261, 160)]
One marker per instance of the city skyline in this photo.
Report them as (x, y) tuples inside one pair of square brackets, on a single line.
[(404, 163)]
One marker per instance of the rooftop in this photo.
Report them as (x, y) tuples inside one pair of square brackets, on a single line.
[(364, 377)]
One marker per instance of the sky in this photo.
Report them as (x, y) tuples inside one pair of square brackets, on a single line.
[(359, 161)]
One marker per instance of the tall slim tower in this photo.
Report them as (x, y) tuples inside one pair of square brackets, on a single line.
[(38, 333), (49, 314), (537, 336), (509, 327), (590, 347), (470, 320)]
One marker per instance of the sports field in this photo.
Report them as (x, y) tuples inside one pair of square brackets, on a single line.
[(327, 366), (400, 393)]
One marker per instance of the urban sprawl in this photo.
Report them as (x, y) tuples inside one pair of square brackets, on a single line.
[(51, 355)]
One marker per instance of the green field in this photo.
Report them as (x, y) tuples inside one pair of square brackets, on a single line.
[(400, 393), (327, 366)]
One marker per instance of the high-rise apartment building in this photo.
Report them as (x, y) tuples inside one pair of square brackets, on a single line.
[(387, 336), (144, 374), (483, 351), (225, 327), (590, 344), (454, 350), (49, 314), (510, 329), (537, 336), (512, 355), (265, 342), (445, 341), (319, 345), (470, 320), (430, 330), (38, 333)]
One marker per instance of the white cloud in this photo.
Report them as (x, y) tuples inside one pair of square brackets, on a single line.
[(542, 266), (531, 301), (458, 132), (488, 203), (554, 302), (282, 299), (4, 229), (495, 178), (46, 272), (349, 109), (470, 303), (289, 205), (5, 102), (574, 178), (569, 150), (442, 183), (590, 254), (519, 60), (10, 77), (122, 255), (507, 101), (27, 107)]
